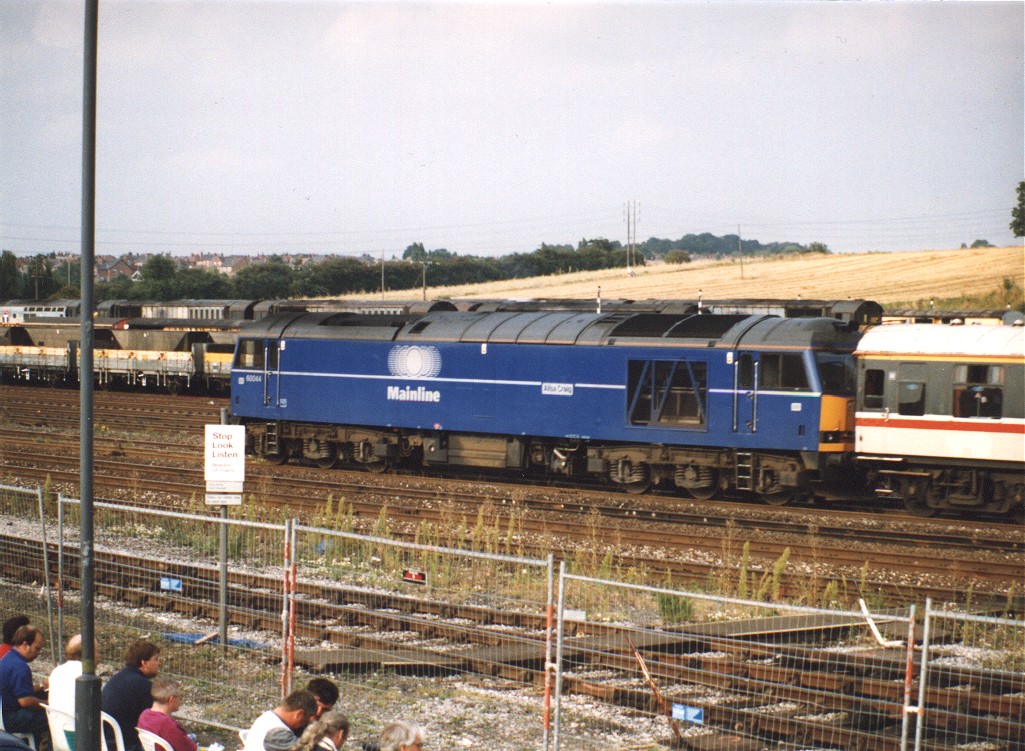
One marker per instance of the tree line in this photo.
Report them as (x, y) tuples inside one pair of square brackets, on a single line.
[(162, 278)]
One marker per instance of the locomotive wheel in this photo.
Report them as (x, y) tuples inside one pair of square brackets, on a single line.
[(376, 466), (708, 491), (913, 493), (782, 498), (329, 461), (277, 458)]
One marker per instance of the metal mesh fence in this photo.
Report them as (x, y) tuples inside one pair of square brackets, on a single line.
[(665, 667), (459, 641), (972, 688), (419, 631), (158, 575), (24, 560)]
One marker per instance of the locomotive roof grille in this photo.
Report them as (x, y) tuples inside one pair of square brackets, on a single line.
[(654, 325)]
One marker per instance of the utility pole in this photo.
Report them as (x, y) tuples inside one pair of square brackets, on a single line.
[(632, 209), (740, 253)]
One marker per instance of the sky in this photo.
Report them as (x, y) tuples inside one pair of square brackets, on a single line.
[(248, 126)]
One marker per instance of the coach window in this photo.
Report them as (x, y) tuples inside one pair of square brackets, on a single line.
[(978, 391), (875, 384), (667, 393), (912, 398), (782, 372)]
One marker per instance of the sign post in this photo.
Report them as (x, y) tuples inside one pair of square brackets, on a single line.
[(224, 470)]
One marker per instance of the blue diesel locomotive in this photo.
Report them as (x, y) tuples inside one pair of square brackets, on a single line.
[(709, 402)]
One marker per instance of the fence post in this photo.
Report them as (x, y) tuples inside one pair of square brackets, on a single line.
[(558, 651), (55, 650), (60, 568), (922, 677), (549, 623), (909, 677)]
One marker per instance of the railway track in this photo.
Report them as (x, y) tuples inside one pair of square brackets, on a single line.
[(684, 541), (742, 675)]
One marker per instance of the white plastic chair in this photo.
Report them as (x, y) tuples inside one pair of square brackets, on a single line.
[(119, 739), (27, 737), (60, 722), (152, 742)]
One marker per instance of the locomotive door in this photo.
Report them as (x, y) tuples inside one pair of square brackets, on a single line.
[(745, 393), (272, 374)]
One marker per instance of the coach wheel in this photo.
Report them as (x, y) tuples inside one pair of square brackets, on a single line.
[(913, 492), (175, 387)]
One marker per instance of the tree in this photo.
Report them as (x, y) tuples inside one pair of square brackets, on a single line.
[(1018, 213), (8, 275), (264, 281), (677, 256), (981, 244), (38, 281), (818, 248), (158, 279), (415, 252)]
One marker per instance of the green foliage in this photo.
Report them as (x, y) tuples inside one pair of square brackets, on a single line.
[(677, 256), (981, 244), (1018, 213), (674, 608)]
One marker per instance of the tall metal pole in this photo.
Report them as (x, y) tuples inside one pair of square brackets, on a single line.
[(740, 252), (87, 686)]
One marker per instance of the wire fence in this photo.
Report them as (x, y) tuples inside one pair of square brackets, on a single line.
[(465, 642), (971, 692)]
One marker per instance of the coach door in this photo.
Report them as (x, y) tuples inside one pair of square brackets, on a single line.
[(745, 393)]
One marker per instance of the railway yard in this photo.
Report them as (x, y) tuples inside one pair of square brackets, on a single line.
[(149, 450)]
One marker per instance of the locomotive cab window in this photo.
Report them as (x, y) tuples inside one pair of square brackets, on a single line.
[(254, 354), (978, 391), (782, 372), (667, 393)]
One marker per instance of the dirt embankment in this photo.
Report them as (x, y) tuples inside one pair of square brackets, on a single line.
[(889, 278)]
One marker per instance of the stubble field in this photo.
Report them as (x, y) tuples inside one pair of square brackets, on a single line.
[(892, 279)]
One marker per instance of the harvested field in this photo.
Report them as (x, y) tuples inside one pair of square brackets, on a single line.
[(893, 279)]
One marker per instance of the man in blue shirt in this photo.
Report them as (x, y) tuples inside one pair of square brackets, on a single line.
[(127, 692), (18, 695)]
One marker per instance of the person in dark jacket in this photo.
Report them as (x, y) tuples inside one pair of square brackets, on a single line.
[(127, 692), (9, 743)]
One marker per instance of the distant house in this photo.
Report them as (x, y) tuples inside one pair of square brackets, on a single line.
[(109, 270)]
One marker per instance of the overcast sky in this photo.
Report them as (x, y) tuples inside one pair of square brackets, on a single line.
[(343, 127)]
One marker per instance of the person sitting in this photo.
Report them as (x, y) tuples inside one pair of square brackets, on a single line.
[(62, 688), (127, 692), (401, 736), (19, 700), (326, 693), (293, 714), (325, 734), (11, 625), (10, 743), (167, 699)]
